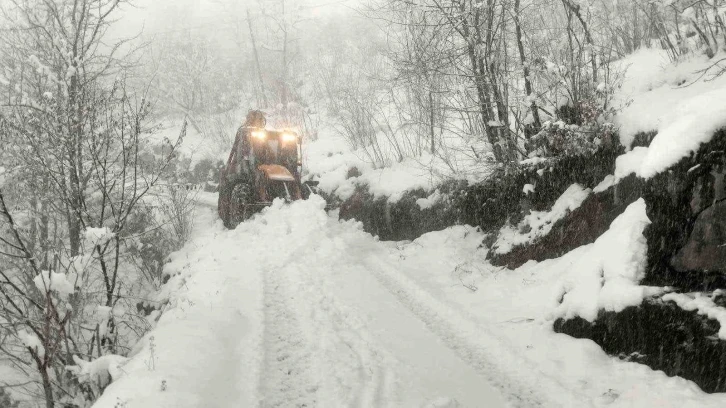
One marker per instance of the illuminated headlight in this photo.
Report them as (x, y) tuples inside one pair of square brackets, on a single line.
[(289, 137), (259, 134)]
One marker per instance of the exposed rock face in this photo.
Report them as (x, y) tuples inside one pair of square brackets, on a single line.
[(687, 251), (487, 205), (705, 249), (581, 227), (402, 220), (687, 207), (490, 204), (661, 335)]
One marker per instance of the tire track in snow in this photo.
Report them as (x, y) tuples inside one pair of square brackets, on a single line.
[(332, 354), (469, 342), (355, 365), (287, 378)]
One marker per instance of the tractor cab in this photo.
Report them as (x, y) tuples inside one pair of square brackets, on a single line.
[(263, 165), (275, 147)]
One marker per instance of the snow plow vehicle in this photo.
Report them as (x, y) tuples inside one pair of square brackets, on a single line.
[(263, 165)]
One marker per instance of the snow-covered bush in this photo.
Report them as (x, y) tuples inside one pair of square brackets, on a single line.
[(562, 139), (99, 373)]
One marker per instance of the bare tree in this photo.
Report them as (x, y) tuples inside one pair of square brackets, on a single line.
[(75, 133)]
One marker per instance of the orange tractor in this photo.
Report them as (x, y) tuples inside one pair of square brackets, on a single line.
[(262, 166)]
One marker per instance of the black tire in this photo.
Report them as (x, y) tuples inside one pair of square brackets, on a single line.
[(240, 209), (223, 203)]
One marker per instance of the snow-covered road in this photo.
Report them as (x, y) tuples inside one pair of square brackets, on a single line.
[(297, 309), (336, 336), (285, 312)]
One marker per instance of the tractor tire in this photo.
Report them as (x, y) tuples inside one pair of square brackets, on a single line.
[(240, 209), (223, 204)]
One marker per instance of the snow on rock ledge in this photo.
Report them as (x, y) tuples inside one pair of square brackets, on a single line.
[(696, 122), (539, 223), (703, 305), (606, 276)]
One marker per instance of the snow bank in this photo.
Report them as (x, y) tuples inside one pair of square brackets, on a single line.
[(682, 105), (394, 181), (331, 162), (539, 223), (630, 162), (605, 184), (652, 89), (626, 164), (204, 349), (702, 304), (695, 123), (56, 282), (606, 276)]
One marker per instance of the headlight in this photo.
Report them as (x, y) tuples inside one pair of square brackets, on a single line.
[(289, 137), (259, 134)]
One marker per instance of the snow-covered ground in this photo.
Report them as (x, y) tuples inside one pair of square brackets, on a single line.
[(297, 308)]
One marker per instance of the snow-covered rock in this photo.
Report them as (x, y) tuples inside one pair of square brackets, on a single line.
[(539, 223), (607, 275)]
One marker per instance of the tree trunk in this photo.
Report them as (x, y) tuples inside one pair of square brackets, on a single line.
[(257, 60), (527, 83), (47, 388), (284, 95), (432, 123)]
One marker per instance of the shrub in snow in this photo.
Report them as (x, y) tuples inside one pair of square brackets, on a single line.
[(98, 373), (562, 139)]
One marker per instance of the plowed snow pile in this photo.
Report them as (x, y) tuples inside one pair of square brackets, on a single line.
[(297, 308)]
